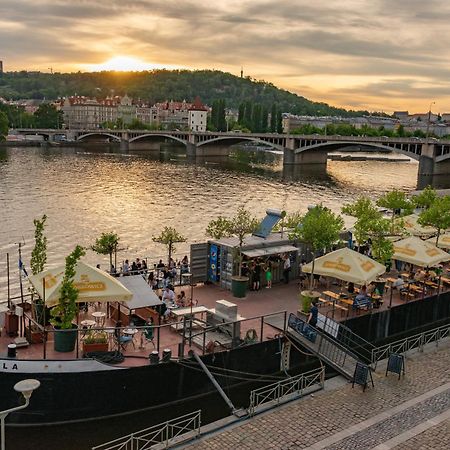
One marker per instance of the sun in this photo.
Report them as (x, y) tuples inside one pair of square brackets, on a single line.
[(123, 64)]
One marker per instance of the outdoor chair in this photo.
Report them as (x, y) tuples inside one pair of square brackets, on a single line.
[(147, 335), (123, 341)]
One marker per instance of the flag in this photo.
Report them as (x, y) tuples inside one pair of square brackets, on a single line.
[(22, 267)]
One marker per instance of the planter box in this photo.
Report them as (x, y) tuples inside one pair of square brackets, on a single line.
[(95, 347), (34, 337)]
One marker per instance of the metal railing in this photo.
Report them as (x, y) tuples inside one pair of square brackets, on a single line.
[(277, 391), (408, 343), (162, 435), (346, 337)]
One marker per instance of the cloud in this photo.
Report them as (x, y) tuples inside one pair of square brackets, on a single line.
[(395, 51)]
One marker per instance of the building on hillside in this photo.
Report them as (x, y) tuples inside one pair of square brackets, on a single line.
[(126, 111), (198, 116)]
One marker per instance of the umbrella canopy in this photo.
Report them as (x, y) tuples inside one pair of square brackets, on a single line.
[(413, 227), (93, 285), (347, 265), (444, 240), (420, 253)]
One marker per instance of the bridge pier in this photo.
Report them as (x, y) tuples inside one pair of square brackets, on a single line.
[(124, 145), (194, 150)]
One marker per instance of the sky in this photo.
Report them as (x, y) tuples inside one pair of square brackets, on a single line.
[(361, 54)]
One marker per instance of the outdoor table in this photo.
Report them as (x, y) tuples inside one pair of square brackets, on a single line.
[(87, 323), (332, 295), (99, 317)]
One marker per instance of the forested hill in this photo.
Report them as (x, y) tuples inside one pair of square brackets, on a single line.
[(161, 85)]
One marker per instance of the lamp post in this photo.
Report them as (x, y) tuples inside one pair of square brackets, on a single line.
[(26, 387)]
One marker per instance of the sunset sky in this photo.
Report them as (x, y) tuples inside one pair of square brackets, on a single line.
[(370, 54)]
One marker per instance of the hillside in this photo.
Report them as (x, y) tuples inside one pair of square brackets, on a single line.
[(161, 85)]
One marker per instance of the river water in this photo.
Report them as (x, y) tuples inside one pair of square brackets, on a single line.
[(90, 190)]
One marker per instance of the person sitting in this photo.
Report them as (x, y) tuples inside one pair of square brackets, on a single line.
[(160, 265), (351, 288), (419, 276), (361, 299), (398, 283), (168, 296), (181, 299), (134, 268), (122, 339)]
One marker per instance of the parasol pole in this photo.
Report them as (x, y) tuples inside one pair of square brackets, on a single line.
[(7, 275)]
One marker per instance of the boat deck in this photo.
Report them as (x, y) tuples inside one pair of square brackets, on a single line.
[(282, 297)]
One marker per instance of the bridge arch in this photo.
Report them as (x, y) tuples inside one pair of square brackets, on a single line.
[(113, 136), (330, 146), (158, 135), (233, 140)]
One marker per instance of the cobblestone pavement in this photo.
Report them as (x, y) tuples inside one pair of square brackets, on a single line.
[(312, 419), (436, 437), (396, 424)]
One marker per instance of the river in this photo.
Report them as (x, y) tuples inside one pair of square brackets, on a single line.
[(90, 190)]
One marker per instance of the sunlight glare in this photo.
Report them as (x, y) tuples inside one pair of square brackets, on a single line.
[(124, 64)]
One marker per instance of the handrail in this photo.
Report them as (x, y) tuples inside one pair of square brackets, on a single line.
[(281, 389), (163, 434), (408, 343), (348, 338)]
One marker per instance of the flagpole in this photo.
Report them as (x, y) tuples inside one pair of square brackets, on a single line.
[(7, 275)]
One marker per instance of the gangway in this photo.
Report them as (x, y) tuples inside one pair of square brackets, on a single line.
[(331, 352)]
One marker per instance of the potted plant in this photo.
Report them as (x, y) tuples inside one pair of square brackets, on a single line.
[(33, 332), (240, 225), (65, 311), (319, 228), (95, 341)]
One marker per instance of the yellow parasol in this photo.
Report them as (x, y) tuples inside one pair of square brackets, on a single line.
[(413, 227), (347, 265), (420, 253), (94, 285), (444, 240)]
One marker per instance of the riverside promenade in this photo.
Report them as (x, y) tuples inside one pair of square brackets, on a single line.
[(408, 414)]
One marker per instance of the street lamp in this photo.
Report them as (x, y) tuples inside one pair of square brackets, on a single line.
[(26, 387)]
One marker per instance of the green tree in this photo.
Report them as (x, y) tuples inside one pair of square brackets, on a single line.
[(66, 309), (4, 126), (168, 237), (47, 116), (273, 118), (382, 248), (437, 215), (396, 201), (39, 253), (365, 213), (426, 198), (106, 244), (242, 224), (319, 228)]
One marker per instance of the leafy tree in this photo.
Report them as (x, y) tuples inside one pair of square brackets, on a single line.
[(137, 124), (382, 248), (273, 118), (168, 237), (426, 198), (66, 309), (320, 229), (47, 116), (39, 253), (437, 215), (242, 224), (106, 244), (4, 127), (395, 201), (365, 213)]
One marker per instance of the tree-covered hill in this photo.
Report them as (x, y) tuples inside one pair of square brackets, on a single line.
[(159, 85)]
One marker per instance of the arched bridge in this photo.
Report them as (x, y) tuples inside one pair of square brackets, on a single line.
[(433, 155)]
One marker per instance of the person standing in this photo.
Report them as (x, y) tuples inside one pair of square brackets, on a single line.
[(126, 268), (256, 275), (268, 270), (313, 314), (286, 268)]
